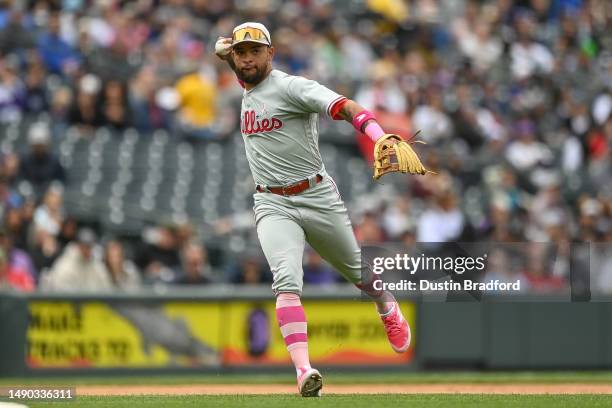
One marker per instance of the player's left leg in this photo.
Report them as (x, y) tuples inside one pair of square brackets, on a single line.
[(328, 230), (282, 240)]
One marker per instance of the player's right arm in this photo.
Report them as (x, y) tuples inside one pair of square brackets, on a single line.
[(223, 50), (310, 96)]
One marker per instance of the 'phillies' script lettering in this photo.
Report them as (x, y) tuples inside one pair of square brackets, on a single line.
[(251, 125)]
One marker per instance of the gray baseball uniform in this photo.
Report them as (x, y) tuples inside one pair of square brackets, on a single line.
[(279, 123)]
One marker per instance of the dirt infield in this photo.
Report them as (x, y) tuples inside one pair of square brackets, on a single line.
[(226, 389)]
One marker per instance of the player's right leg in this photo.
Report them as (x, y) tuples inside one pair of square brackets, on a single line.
[(282, 241)]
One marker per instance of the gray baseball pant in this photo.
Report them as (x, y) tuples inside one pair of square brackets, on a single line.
[(317, 216)]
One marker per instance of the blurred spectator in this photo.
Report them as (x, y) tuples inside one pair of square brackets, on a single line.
[(499, 219), (8, 196), (158, 257), (477, 43), (538, 272), (14, 277), (198, 96), (500, 268), (28, 209), (591, 224), (547, 211), (398, 218), (15, 35), (49, 216), (84, 110), (45, 251), (36, 98), (39, 165), (59, 56), (369, 230), (68, 231), (9, 168), (442, 221), (195, 269), (60, 108), (78, 269), (317, 271), (184, 231), (528, 56), (111, 63), (465, 117), (432, 120), (250, 270), (114, 105), (288, 55), (16, 226), (525, 152), (408, 238), (573, 155), (382, 93), (122, 271), (19, 270), (141, 94), (12, 90)]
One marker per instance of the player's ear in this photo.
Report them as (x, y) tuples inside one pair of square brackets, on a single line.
[(271, 51)]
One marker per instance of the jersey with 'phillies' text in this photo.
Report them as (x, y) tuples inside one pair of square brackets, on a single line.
[(279, 123)]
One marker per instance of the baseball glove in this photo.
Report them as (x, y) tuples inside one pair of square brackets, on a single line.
[(392, 153)]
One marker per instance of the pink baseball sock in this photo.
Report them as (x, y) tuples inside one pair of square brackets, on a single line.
[(292, 322)]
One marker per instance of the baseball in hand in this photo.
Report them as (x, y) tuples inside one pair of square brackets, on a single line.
[(222, 46)]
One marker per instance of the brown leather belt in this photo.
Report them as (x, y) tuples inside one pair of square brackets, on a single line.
[(292, 189)]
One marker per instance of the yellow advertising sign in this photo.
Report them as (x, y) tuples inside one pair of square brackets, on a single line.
[(192, 334), (339, 332), (95, 334)]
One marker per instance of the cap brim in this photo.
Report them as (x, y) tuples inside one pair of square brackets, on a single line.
[(250, 41)]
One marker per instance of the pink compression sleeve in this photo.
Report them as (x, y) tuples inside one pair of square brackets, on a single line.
[(373, 129)]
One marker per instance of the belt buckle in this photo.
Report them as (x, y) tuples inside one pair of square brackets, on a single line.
[(286, 190)]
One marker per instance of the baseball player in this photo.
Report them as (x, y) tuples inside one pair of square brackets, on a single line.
[(296, 201)]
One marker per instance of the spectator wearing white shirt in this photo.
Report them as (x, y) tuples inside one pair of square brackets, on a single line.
[(443, 221), (79, 268), (526, 152), (529, 57)]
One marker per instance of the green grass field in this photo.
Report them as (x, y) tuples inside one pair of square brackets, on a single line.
[(336, 400), (338, 377), (341, 401)]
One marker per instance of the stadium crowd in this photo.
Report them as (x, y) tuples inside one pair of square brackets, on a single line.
[(513, 98)]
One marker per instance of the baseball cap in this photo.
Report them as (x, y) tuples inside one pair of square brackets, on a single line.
[(39, 134), (86, 236), (251, 32)]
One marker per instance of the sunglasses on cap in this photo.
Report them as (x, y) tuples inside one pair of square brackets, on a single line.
[(249, 34)]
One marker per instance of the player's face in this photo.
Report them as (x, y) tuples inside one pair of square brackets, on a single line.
[(252, 61)]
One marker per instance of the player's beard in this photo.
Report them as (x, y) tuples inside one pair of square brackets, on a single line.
[(252, 78)]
